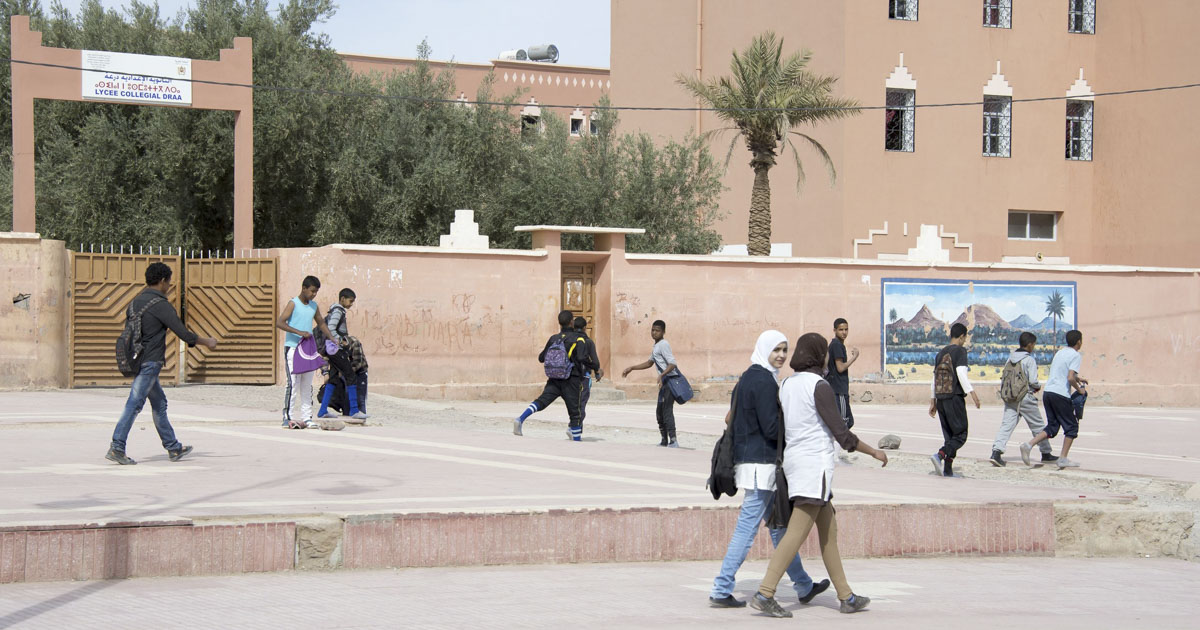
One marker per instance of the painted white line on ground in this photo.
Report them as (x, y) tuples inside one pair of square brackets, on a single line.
[(525, 454), (448, 501), (444, 458)]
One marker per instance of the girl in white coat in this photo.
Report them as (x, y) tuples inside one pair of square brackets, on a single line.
[(813, 427)]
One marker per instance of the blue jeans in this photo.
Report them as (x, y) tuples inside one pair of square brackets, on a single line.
[(756, 506), (145, 385)]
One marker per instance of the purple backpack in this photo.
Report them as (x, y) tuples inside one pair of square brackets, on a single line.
[(557, 359), (307, 359)]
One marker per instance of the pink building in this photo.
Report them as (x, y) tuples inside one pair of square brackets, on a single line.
[(578, 87), (1083, 179)]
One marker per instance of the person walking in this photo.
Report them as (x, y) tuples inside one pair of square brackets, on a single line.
[(1061, 412), (663, 360), (838, 373), (1022, 367), (947, 401), (579, 325), (158, 316), (813, 428), (754, 426), (566, 355)]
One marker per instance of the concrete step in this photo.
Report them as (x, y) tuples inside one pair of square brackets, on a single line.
[(602, 392)]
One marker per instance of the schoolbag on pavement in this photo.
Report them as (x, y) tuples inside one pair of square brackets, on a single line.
[(1014, 383), (943, 376), (557, 360), (129, 342)]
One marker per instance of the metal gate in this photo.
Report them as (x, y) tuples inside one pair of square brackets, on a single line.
[(234, 301), (231, 299), (102, 286)]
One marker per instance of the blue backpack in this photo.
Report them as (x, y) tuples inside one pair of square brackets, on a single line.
[(557, 359)]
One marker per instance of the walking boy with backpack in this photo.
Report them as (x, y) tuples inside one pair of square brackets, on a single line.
[(948, 393), (1018, 389), (1060, 411), (141, 352), (565, 358), (343, 369)]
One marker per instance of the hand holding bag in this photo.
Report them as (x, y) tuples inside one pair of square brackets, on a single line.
[(781, 506)]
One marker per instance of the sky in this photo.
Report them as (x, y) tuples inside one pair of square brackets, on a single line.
[(470, 31), (947, 300)]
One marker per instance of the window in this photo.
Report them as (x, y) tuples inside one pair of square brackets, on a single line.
[(1037, 226), (1079, 130), (1081, 16), (900, 120), (530, 125), (576, 126), (593, 125), (902, 9), (997, 125), (997, 13)]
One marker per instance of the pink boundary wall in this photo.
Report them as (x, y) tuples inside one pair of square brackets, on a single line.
[(469, 325)]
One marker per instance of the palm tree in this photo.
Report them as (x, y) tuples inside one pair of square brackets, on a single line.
[(893, 315), (1055, 307), (765, 99)]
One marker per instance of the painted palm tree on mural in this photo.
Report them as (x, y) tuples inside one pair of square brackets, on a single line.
[(893, 315), (766, 99), (1055, 307)]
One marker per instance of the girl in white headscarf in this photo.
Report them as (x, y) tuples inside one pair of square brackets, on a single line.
[(813, 426), (754, 421)]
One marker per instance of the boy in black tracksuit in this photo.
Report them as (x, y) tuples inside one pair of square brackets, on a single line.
[(947, 401), (580, 326), (569, 389)]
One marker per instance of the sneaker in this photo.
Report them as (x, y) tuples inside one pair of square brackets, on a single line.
[(664, 441), (938, 465), (311, 424), (673, 444), (359, 416), (997, 459), (854, 604), (1063, 462), (517, 427), (284, 425), (817, 589), (729, 601), (329, 413), (1026, 449), (178, 453), (114, 455), (1047, 458), (768, 606), (569, 436)]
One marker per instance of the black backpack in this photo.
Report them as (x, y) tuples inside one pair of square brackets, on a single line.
[(722, 477), (129, 342)]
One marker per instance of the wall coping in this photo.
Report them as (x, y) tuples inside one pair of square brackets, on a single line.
[(577, 229), (20, 237), (422, 249), (864, 262)]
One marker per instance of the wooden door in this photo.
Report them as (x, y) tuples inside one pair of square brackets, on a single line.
[(234, 301), (579, 292)]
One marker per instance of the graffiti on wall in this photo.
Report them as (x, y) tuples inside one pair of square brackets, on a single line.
[(429, 325), (916, 316)]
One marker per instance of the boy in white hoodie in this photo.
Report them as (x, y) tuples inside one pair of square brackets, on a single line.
[(1026, 407)]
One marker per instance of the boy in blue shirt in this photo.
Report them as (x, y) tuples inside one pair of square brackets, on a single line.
[(1060, 411), (298, 319)]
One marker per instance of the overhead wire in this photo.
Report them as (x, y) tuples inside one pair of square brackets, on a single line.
[(643, 108)]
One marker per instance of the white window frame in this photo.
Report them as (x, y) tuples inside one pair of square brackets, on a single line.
[(1027, 237), (997, 125), (1083, 14), (1001, 9), (908, 120), (904, 10), (1080, 129)]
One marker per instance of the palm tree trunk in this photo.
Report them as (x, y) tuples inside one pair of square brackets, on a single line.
[(758, 241)]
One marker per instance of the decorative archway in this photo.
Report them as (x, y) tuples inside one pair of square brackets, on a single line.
[(60, 77)]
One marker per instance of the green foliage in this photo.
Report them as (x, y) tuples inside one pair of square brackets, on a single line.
[(332, 168)]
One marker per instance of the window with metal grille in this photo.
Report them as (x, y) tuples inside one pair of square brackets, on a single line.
[(1081, 16), (902, 9), (1079, 130), (997, 13), (1036, 226), (997, 125), (899, 127)]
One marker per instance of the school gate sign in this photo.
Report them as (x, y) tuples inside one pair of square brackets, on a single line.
[(89, 75)]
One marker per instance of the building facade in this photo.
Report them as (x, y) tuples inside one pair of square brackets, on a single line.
[(1084, 178)]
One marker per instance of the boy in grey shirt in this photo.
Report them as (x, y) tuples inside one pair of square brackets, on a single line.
[(663, 360), (1026, 408)]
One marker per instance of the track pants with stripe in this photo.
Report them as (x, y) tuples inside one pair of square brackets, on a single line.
[(298, 386)]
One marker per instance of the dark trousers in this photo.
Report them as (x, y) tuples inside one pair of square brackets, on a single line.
[(571, 391), (952, 412), (340, 402), (665, 413), (843, 403), (583, 398), (342, 369)]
